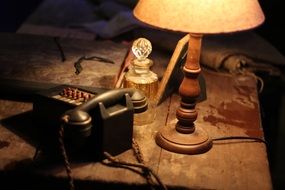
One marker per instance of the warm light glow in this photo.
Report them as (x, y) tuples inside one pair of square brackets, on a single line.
[(201, 16)]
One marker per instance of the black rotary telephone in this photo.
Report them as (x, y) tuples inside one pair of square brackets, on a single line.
[(93, 121)]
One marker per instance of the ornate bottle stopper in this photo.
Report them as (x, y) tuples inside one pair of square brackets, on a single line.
[(141, 48)]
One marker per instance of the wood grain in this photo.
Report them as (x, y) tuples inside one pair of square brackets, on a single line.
[(38, 58), (228, 111), (231, 109)]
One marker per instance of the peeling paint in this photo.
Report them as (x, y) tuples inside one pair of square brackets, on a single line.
[(236, 114)]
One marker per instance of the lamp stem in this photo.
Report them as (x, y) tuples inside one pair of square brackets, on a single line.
[(189, 89), (185, 137)]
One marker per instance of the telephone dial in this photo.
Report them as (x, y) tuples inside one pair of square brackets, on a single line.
[(94, 120)]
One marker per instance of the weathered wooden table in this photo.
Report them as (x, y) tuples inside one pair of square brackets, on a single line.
[(231, 109)]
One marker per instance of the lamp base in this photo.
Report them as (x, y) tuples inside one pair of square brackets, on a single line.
[(192, 143)]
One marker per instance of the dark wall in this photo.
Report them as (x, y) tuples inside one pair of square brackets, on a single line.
[(273, 28), (14, 12), (273, 96)]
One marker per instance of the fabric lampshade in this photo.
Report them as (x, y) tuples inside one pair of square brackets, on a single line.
[(200, 16)]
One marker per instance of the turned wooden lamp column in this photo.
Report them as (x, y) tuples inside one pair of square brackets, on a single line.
[(185, 137), (196, 17)]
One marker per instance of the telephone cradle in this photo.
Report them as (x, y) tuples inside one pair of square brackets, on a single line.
[(94, 121)]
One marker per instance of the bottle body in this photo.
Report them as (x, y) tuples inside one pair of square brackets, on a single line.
[(148, 84), (140, 77)]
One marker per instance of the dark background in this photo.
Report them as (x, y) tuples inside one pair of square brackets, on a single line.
[(14, 12), (272, 99)]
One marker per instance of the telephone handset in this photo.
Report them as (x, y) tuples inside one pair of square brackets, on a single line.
[(79, 115), (103, 122)]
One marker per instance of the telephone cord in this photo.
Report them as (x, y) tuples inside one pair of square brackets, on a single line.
[(148, 173), (65, 157), (139, 156)]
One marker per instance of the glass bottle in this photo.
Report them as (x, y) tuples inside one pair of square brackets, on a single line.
[(140, 76)]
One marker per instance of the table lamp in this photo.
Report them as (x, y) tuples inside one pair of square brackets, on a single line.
[(196, 17)]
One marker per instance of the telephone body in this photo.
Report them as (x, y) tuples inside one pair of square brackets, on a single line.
[(94, 120)]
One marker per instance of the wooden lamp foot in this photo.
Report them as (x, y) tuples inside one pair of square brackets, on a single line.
[(193, 143)]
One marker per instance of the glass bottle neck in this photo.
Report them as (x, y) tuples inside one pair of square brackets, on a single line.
[(141, 66)]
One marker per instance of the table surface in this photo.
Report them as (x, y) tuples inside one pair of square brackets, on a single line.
[(230, 109)]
